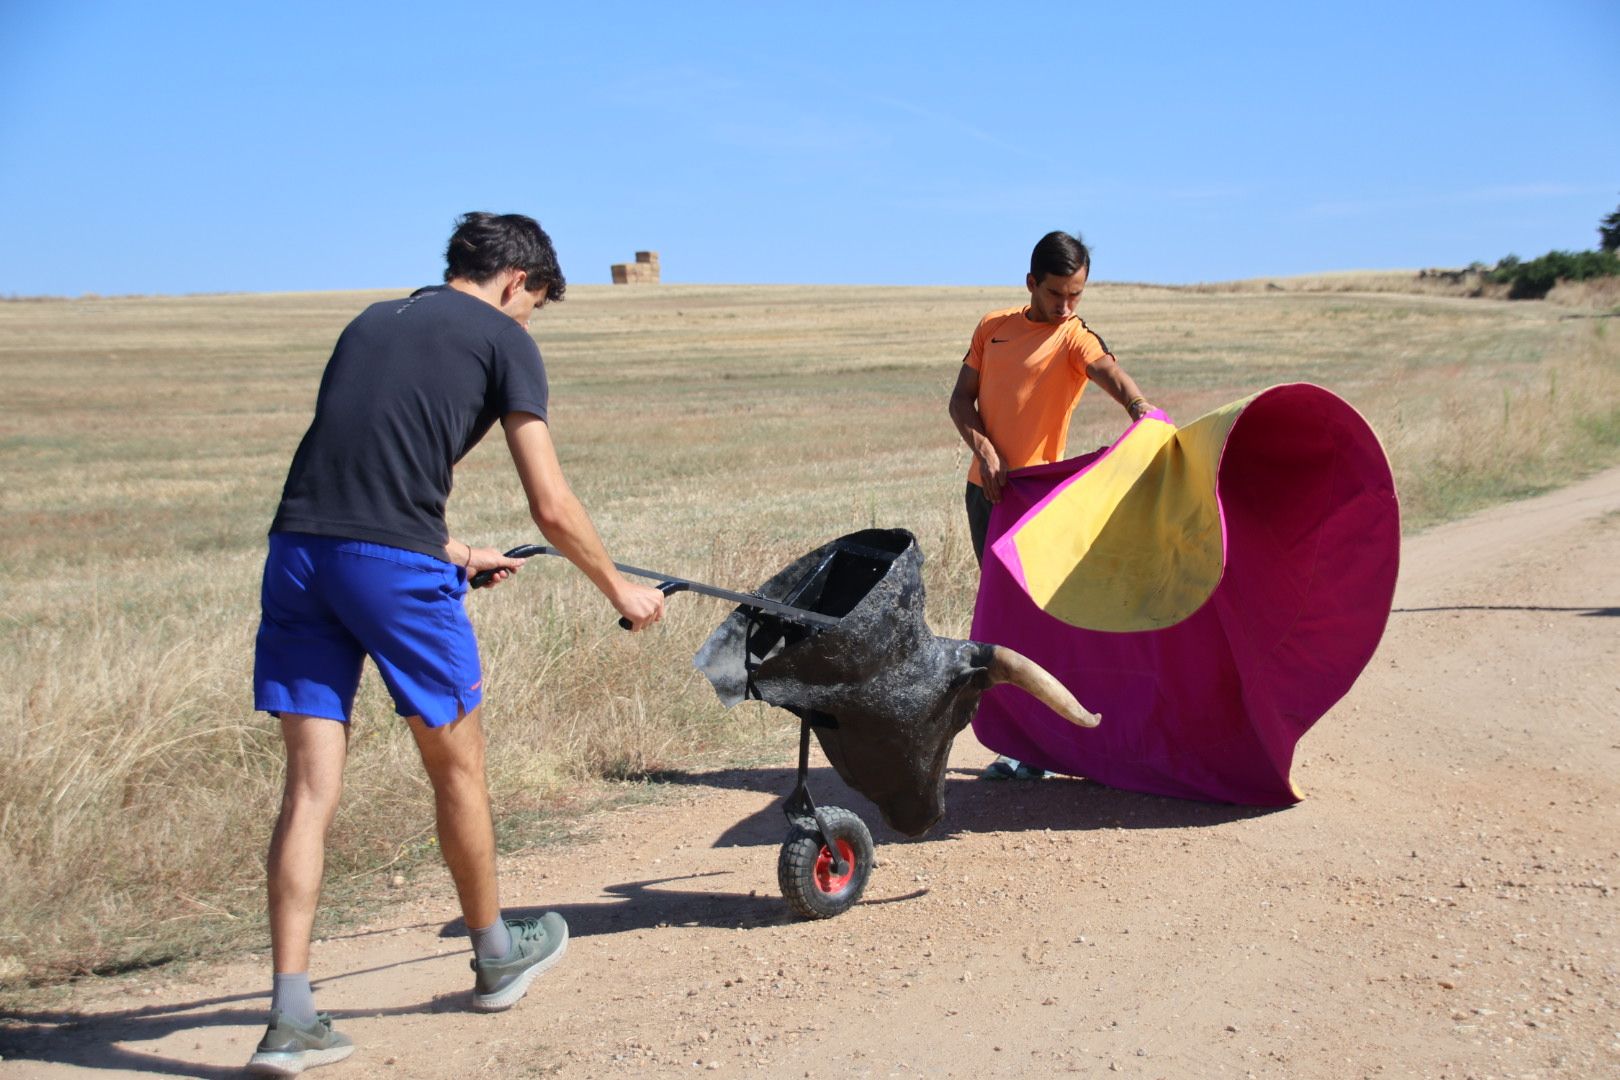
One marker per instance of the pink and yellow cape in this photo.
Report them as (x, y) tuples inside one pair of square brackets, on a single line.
[(1210, 590)]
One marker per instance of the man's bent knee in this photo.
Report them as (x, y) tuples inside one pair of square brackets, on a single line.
[(452, 752)]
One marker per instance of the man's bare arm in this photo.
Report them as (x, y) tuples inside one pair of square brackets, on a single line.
[(562, 519), (964, 411), (1107, 374)]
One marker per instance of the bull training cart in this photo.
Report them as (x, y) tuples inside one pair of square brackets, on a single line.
[(826, 860)]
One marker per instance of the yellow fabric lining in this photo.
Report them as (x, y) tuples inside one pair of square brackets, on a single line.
[(1135, 542)]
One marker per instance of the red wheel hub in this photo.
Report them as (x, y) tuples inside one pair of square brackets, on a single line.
[(827, 881)]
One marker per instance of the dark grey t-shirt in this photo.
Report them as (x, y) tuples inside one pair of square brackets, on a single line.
[(412, 386)]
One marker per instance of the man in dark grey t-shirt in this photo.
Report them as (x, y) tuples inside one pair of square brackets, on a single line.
[(361, 563), (412, 386)]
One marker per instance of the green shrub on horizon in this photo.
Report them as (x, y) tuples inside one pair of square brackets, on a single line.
[(1535, 279)]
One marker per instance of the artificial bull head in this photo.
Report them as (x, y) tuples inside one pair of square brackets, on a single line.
[(884, 696)]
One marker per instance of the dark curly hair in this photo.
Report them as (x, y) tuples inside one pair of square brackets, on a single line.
[(1060, 254), (484, 245)]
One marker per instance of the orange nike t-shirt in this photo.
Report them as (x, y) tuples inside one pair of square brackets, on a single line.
[(1031, 375)]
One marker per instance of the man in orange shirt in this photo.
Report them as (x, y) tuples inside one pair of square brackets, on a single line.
[(1020, 381)]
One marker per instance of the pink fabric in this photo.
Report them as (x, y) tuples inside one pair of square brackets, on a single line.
[(1212, 707)]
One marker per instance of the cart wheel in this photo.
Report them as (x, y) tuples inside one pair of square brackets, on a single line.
[(805, 867)]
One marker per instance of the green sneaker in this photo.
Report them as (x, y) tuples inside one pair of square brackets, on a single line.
[(537, 944), (1006, 768), (1003, 768), (288, 1048)]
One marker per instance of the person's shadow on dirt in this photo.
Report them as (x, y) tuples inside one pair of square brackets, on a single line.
[(102, 1040), (112, 1040)]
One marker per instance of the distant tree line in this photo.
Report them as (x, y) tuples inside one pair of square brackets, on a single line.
[(1534, 279)]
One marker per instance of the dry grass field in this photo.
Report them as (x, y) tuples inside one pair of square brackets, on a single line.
[(714, 432)]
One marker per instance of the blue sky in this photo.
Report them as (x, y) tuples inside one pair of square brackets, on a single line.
[(187, 147)]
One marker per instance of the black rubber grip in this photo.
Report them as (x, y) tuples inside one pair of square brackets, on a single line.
[(522, 551), (668, 588)]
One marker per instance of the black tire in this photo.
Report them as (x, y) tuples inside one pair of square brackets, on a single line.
[(804, 868)]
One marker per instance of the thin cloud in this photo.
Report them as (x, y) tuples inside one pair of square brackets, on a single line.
[(735, 112), (947, 121), (806, 134), (1213, 193)]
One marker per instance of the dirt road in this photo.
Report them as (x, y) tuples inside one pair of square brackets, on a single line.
[(1442, 904)]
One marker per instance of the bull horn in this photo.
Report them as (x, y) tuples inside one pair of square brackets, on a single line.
[(1007, 666)]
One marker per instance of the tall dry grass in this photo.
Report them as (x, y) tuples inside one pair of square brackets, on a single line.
[(715, 433)]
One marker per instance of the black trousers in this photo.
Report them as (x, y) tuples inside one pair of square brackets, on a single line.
[(978, 515)]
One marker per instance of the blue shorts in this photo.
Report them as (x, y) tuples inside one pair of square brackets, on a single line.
[(328, 603)]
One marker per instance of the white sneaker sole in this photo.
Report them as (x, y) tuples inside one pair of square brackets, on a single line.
[(291, 1064)]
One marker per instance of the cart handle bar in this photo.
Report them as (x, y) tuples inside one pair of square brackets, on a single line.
[(669, 585)]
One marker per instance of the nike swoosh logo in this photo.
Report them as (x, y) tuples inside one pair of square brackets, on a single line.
[(1000, 340)]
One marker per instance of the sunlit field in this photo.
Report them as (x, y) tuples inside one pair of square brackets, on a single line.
[(713, 432)]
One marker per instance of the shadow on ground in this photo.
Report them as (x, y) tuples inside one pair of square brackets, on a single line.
[(972, 805), (1586, 612), (1058, 804), (112, 1040)]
